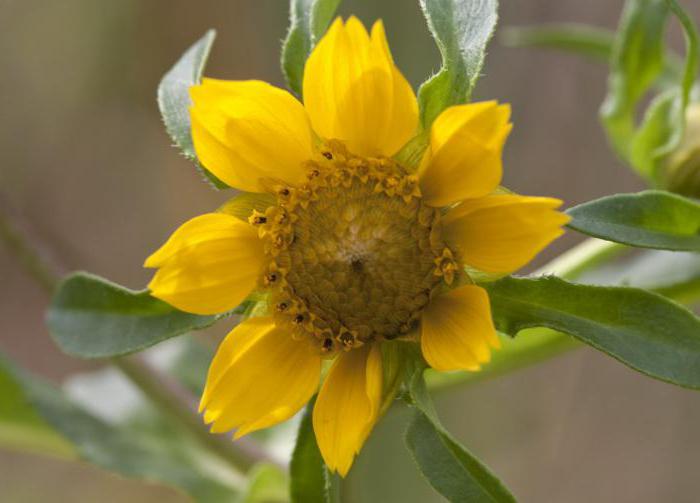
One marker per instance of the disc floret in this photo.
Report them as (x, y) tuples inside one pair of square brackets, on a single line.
[(354, 252)]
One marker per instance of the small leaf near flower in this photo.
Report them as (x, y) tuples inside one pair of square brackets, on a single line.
[(461, 29)]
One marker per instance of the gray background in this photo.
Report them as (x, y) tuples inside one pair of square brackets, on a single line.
[(86, 162)]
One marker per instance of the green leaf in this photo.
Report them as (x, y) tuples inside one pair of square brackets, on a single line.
[(90, 317), (452, 470), (308, 21), (637, 60), (21, 427), (615, 320), (174, 99), (649, 219), (462, 29), (590, 41), (310, 480), (119, 449)]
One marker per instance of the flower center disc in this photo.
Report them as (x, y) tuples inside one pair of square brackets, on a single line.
[(355, 252)]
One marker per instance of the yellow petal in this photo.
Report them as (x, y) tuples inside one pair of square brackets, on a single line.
[(501, 233), (209, 265), (245, 131), (348, 406), (353, 91), (464, 158), (457, 331), (259, 377)]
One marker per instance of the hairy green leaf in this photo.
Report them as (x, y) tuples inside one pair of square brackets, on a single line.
[(308, 21), (590, 41), (310, 482), (649, 219), (174, 99), (116, 448), (90, 317), (461, 29), (615, 320), (452, 470)]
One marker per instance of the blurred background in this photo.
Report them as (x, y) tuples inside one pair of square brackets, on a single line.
[(87, 165)]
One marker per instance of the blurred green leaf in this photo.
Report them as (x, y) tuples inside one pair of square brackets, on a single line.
[(21, 427), (615, 320), (90, 317), (309, 482), (663, 124), (266, 484), (461, 29), (308, 21), (649, 219), (120, 449), (637, 60), (174, 99), (450, 468), (590, 41)]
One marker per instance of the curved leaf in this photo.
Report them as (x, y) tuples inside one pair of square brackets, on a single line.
[(90, 317), (174, 99), (615, 320), (650, 219), (309, 478), (308, 21), (461, 29), (452, 470)]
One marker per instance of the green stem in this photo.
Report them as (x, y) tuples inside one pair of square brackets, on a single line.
[(163, 391)]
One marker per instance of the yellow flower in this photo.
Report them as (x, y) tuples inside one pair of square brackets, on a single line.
[(350, 248)]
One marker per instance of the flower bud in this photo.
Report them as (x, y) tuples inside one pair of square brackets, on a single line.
[(682, 173)]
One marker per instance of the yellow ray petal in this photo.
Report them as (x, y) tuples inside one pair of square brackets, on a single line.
[(353, 91), (348, 406), (501, 233), (457, 331), (208, 265), (464, 158), (260, 376), (244, 131)]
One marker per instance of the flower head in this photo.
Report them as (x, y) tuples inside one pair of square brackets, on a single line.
[(351, 249)]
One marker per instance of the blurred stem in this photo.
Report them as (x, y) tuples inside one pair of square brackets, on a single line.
[(162, 390), (31, 259)]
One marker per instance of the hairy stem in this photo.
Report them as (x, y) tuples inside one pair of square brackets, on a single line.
[(161, 389)]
